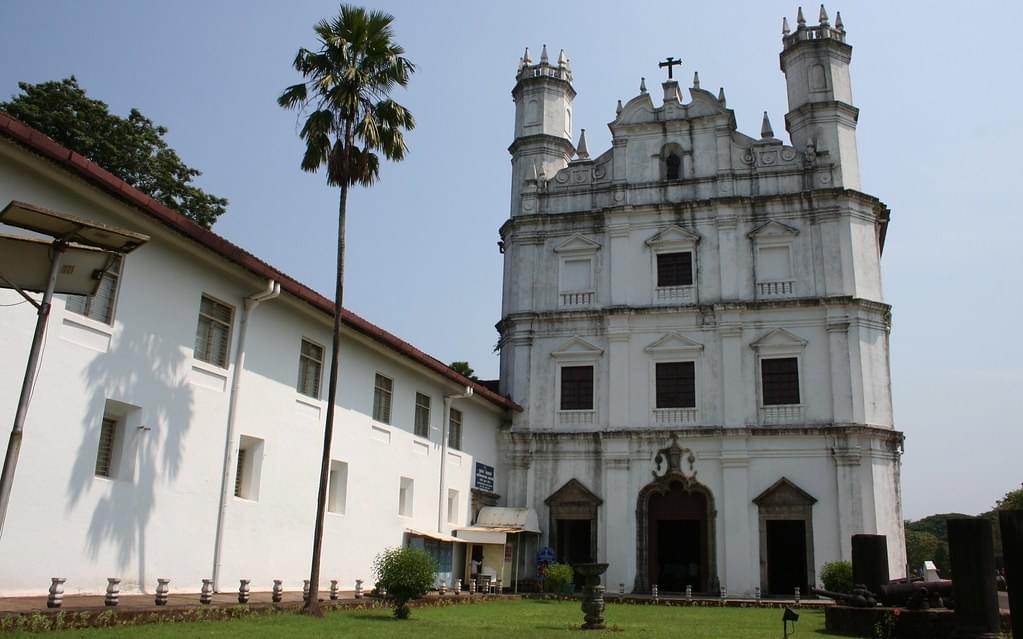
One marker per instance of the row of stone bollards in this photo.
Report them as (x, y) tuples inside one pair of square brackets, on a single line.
[(112, 597)]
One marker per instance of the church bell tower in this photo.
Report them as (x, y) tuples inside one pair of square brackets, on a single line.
[(821, 117), (543, 97)]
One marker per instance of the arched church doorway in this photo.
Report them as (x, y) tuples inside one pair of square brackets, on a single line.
[(675, 527), (678, 540)]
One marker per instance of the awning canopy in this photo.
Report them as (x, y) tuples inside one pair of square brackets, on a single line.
[(494, 524), (434, 535)]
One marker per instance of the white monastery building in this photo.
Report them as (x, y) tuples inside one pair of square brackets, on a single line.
[(694, 325), (694, 379)]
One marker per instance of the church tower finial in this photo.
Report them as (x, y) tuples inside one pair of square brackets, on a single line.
[(526, 58), (721, 97), (766, 132), (546, 60), (785, 26), (823, 19), (838, 22), (696, 79), (642, 85), (580, 150), (800, 20), (618, 109)]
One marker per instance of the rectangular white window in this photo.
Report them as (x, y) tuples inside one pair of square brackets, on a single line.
[(248, 468), (100, 306), (422, 417), (773, 263), (452, 506), (213, 332), (105, 465), (310, 367), (337, 487), (405, 497), (382, 389), (576, 275), (455, 429)]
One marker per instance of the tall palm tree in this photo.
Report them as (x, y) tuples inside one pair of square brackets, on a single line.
[(350, 121)]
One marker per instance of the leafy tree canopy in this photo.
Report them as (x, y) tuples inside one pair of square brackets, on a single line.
[(463, 368), (1013, 500), (131, 148), (405, 573)]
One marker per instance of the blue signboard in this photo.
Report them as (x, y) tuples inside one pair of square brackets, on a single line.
[(545, 555), (484, 477)]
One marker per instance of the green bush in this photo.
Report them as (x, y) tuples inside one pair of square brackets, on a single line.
[(557, 577), (406, 573), (837, 576)]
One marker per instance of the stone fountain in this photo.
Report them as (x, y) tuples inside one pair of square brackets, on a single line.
[(593, 595)]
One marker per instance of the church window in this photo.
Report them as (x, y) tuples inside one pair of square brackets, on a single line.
[(213, 332), (405, 489), (100, 306), (673, 167), (455, 429), (576, 388), (382, 389), (105, 452), (248, 467), (780, 380), (676, 385), (422, 417), (337, 485), (773, 264), (310, 367), (675, 269)]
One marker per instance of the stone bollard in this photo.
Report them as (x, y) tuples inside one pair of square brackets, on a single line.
[(472, 587), (870, 561), (689, 594), (756, 594), (1011, 524), (277, 592), (243, 590), (500, 586), (654, 592), (305, 590), (797, 595), (358, 589), (113, 596), (724, 594), (162, 591), (971, 555), (333, 589), (442, 589), (458, 587), (56, 596), (621, 591), (206, 593)]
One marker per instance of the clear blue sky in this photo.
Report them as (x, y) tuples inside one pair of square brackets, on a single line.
[(939, 131)]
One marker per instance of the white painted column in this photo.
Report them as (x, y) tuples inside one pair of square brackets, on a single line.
[(618, 263), (841, 381), (733, 390), (739, 573), (728, 257), (619, 379), (618, 518), (850, 503)]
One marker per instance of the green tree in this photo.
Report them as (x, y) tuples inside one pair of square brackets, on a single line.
[(1013, 500), (837, 576), (921, 547), (349, 120), (131, 148), (557, 576), (463, 368), (405, 573)]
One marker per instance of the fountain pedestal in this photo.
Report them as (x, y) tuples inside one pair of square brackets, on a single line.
[(593, 595)]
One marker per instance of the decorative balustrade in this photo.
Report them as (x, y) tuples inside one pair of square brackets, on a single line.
[(576, 416), (577, 299), (675, 294), (770, 415), (775, 289), (675, 416)]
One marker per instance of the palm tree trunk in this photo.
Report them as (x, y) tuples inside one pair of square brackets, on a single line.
[(312, 606)]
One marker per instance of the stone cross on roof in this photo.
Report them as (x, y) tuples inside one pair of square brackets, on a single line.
[(670, 62)]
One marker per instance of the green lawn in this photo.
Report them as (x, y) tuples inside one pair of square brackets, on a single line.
[(493, 620)]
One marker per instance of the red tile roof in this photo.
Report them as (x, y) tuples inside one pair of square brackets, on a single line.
[(106, 181)]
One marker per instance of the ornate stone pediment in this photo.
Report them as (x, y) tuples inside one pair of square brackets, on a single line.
[(784, 493), (675, 463), (777, 341), (674, 344), (577, 348), (573, 493), (577, 244), (672, 235), (773, 229)]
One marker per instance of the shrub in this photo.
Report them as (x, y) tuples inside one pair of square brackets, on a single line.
[(406, 573), (837, 576), (557, 577)]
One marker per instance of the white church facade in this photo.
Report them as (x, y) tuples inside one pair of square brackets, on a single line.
[(693, 322), (694, 382)]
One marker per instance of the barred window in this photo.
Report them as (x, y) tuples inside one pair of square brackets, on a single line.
[(310, 367), (675, 269), (676, 384), (100, 306), (382, 388), (213, 332), (105, 452), (422, 419), (576, 388), (780, 380), (455, 429)]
